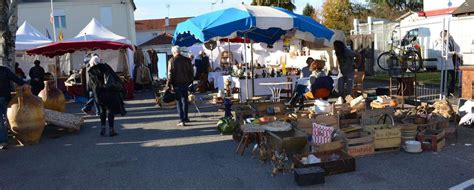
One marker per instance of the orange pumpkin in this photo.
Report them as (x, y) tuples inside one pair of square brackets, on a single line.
[(393, 103)]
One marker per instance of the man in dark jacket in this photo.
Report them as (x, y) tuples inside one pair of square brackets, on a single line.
[(6, 77), (202, 70), (37, 78), (180, 76)]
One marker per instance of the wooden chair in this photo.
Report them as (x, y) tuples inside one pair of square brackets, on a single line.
[(358, 87)]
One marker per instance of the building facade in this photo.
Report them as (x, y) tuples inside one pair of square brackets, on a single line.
[(71, 16), (152, 28)]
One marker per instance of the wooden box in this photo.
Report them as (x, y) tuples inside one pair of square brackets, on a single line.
[(293, 141), (327, 120), (432, 140), (384, 136), (309, 176), (371, 117), (360, 144), (333, 162), (337, 144)]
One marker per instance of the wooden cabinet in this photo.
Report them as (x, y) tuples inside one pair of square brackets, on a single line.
[(467, 79)]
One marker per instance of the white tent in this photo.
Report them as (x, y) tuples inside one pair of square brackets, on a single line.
[(27, 37), (96, 31)]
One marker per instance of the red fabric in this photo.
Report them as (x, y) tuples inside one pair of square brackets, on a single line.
[(235, 40), (128, 85), (61, 48), (74, 90)]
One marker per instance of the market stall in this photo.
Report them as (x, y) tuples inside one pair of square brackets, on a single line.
[(257, 23), (113, 49), (27, 37)]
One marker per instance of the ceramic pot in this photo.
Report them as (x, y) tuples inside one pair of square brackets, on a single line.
[(52, 97), (26, 116)]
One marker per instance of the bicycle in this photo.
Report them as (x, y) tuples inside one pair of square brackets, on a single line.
[(407, 57)]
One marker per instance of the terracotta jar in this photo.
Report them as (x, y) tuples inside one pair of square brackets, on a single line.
[(26, 116), (52, 97)]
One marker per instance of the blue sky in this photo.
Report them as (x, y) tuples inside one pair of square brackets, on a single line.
[(152, 9)]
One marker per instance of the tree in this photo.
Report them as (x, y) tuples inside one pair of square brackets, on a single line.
[(309, 10), (286, 4), (337, 15), (8, 27), (399, 5)]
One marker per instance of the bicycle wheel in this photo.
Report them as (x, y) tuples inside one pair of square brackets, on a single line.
[(387, 61), (414, 61)]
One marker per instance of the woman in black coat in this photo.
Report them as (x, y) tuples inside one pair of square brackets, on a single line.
[(107, 89)]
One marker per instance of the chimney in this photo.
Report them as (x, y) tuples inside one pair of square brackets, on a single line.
[(167, 23)]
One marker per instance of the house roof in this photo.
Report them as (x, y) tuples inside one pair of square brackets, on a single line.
[(162, 39), (157, 24), (466, 8)]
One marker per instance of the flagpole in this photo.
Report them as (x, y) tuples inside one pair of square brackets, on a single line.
[(54, 24)]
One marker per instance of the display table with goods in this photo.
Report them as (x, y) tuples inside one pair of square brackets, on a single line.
[(216, 78)]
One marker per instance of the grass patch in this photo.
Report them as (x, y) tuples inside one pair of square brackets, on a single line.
[(425, 77)]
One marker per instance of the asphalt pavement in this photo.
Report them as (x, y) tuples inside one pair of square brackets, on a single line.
[(152, 153)]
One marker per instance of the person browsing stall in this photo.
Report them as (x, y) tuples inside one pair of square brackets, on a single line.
[(180, 76)]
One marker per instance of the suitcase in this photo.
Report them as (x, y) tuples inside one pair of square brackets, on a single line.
[(309, 176)]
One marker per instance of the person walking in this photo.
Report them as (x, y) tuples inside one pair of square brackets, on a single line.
[(447, 41), (106, 88), (345, 58), (87, 109), (37, 78), (6, 77), (180, 76)]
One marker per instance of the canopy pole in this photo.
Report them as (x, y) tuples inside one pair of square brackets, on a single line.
[(246, 70), (252, 67)]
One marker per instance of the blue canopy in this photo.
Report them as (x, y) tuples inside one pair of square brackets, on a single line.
[(261, 24)]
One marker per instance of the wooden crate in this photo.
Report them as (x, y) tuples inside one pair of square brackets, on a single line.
[(344, 163), (294, 141), (384, 136), (432, 140), (326, 120), (360, 144), (337, 144), (371, 117)]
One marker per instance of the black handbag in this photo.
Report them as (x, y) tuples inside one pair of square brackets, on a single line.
[(169, 96)]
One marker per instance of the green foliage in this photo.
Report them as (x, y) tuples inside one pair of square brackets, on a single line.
[(337, 15), (286, 4), (309, 10), (226, 126), (399, 5)]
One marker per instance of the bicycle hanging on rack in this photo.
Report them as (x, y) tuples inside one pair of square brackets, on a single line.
[(400, 58)]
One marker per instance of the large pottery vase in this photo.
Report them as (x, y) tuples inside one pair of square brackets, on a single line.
[(26, 116), (52, 97)]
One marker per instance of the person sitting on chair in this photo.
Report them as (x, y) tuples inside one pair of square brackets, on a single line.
[(320, 84), (301, 88)]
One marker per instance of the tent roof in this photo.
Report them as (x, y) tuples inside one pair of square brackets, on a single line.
[(27, 37), (96, 31)]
